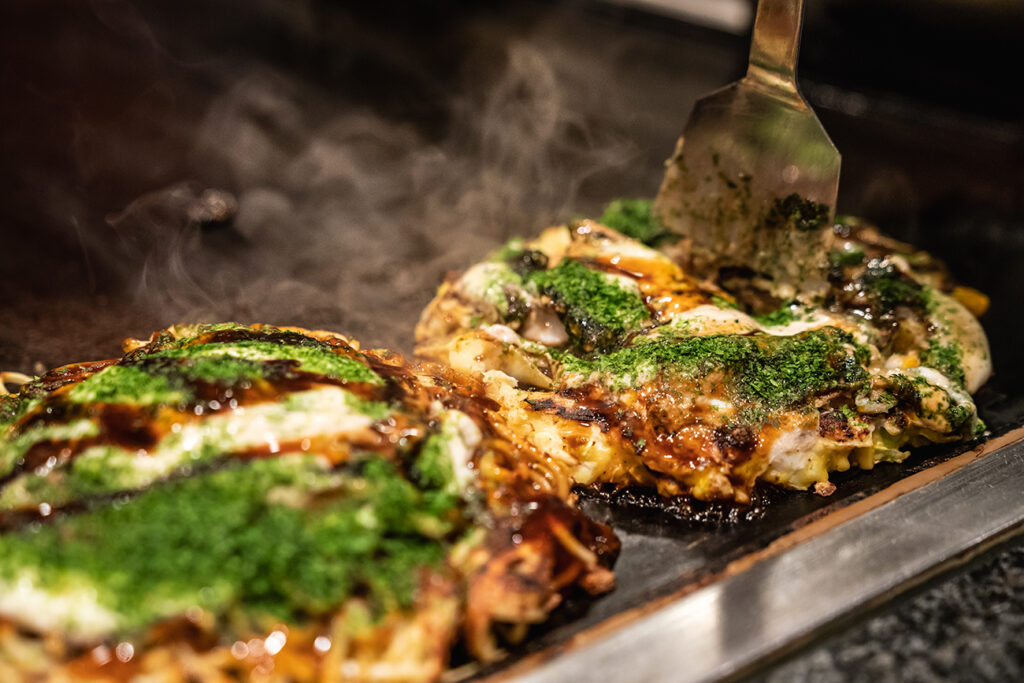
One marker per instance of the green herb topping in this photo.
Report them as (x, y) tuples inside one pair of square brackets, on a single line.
[(12, 407), (795, 212), (125, 384), (500, 286), (243, 539), (783, 315), (319, 359), (634, 218), (506, 251), (947, 359), (722, 302), (598, 310), (848, 255), (775, 371)]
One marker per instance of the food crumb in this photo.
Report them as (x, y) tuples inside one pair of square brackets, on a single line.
[(824, 488)]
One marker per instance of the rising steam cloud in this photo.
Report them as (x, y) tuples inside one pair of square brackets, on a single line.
[(349, 220), (358, 168)]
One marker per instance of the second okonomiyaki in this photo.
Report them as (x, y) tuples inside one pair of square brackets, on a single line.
[(609, 357), (229, 500)]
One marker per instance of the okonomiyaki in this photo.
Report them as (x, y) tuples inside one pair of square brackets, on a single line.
[(629, 370), (227, 501)]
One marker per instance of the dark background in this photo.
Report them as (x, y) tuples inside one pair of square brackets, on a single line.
[(371, 147)]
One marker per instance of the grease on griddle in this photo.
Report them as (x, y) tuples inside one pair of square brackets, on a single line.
[(634, 500)]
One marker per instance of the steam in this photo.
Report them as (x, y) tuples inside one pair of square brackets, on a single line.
[(309, 164), (348, 220)]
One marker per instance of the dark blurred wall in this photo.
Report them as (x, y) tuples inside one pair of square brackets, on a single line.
[(373, 146), (962, 55)]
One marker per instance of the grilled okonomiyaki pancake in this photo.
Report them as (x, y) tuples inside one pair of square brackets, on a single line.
[(605, 354), (225, 501)]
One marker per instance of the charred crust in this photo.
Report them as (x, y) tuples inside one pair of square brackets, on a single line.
[(60, 377), (577, 413), (835, 425), (736, 442)]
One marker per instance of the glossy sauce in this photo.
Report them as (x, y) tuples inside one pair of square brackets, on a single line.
[(666, 290)]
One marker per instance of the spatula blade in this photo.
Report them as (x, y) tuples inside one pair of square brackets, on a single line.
[(730, 187), (754, 178)]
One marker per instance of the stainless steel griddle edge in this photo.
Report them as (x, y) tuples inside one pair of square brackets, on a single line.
[(729, 626)]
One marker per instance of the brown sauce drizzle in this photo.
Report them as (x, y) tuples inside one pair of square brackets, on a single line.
[(666, 290), (142, 427), (418, 385), (674, 439), (256, 333), (126, 426), (572, 411), (62, 376)]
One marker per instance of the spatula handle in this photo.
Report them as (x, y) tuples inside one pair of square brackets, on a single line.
[(775, 43)]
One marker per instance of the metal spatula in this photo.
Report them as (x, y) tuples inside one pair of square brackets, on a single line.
[(754, 178)]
